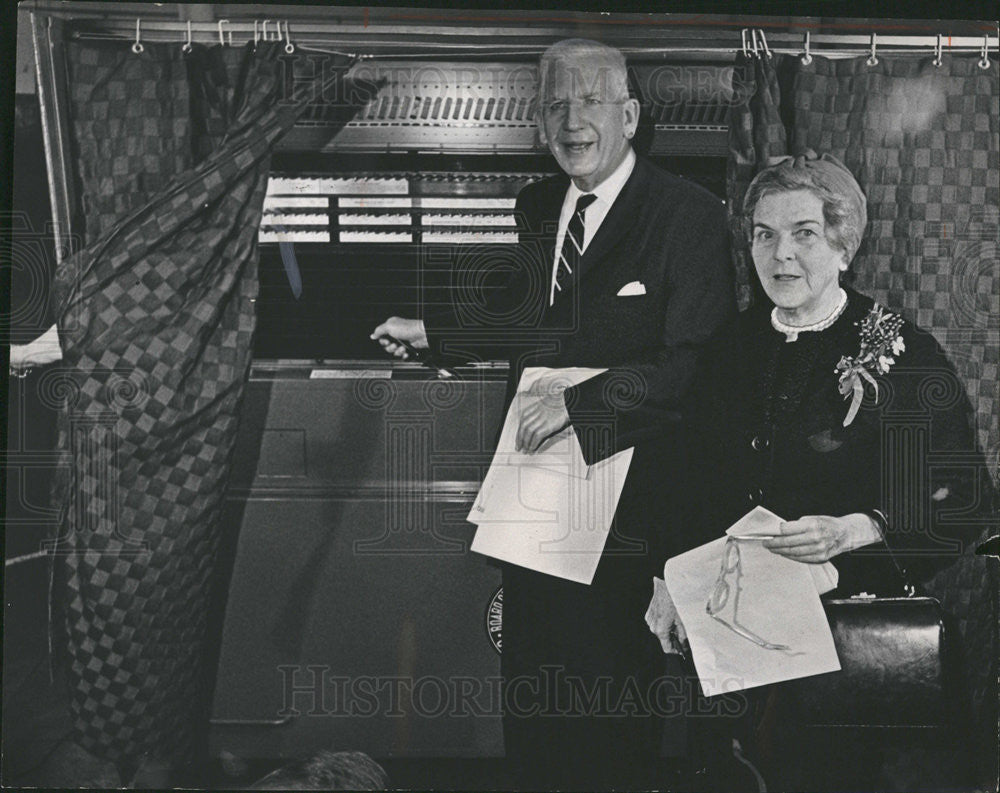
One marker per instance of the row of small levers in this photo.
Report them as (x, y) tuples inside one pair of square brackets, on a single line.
[(446, 227), (449, 237)]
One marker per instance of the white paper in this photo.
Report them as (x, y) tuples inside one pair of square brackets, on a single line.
[(761, 522), (777, 600), (554, 523), (547, 511), (825, 577)]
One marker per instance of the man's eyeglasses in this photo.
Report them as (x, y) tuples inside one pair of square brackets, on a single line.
[(561, 107), (732, 566)]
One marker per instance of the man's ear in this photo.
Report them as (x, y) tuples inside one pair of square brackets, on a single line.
[(630, 116), (541, 129)]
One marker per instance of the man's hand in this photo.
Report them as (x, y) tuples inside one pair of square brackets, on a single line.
[(43, 350), (398, 329), (663, 619), (540, 419), (818, 538)]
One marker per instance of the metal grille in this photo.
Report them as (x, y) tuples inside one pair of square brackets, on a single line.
[(475, 107)]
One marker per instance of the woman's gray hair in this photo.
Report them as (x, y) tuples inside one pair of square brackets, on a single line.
[(845, 209), (583, 49)]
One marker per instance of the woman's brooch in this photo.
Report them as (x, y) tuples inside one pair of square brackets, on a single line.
[(880, 341)]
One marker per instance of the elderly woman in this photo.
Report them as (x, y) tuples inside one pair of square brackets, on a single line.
[(829, 410), (826, 408)]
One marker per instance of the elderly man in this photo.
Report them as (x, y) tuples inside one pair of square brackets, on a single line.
[(626, 267)]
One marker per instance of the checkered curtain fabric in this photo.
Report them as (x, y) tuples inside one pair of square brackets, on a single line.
[(156, 320), (756, 132), (922, 140)]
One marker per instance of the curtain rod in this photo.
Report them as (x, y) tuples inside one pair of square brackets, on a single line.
[(430, 48), (336, 39), (442, 49)]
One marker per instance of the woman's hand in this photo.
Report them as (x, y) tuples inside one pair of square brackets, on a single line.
[(818, 538), (664, 621), (43, 350)]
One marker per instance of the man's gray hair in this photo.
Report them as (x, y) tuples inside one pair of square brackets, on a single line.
[(583, 50)]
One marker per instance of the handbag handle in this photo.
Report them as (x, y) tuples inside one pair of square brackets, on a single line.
[(882, 522)]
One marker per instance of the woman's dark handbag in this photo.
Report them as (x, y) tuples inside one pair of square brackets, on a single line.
[(895, 668)]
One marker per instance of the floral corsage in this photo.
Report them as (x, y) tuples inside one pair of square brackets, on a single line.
[(880, 342)]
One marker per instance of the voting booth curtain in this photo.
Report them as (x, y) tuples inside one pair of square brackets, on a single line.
[(171, 152), (922, 140)]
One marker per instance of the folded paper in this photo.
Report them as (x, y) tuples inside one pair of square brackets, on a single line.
[(769, 596), (547, 511)]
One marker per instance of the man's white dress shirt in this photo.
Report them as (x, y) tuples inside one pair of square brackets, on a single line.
[(606, 192)]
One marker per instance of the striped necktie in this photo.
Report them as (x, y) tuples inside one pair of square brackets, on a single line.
[(572, 247)]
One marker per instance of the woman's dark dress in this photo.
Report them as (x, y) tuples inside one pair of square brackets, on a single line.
[(770, 431)]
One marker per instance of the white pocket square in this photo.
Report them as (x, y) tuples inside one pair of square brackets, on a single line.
[(632, 289)]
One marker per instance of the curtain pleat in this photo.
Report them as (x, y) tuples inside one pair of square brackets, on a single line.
[(156, 322)]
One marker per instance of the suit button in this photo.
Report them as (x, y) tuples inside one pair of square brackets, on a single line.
[(758, 443)]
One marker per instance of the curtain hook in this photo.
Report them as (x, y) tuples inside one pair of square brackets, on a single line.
[(264, 30), (873, 58), (753, 42), (937, 53), (746, 45), (807, 58), (984, 62), (763, 43), (222, 40), (289, 47), (187, 44), (137, 47), (256, 34)]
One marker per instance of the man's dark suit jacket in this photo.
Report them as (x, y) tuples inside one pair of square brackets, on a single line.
[(662, 231), (671, 236)]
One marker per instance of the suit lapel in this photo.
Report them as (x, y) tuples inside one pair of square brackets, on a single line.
[(550, 206), (621, 217), (543, 223)]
